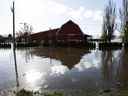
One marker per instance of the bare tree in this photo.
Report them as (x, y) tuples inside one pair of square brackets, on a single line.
[(109, 22), (25, 32), (124, 20)]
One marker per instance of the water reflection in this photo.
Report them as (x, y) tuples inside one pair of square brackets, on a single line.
[(123, 68), (69, 68), (50, 73), (68, 56), (32, 76), (26, 53), (107, 67), (58, 70)]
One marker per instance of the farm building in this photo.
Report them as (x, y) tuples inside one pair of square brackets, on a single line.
[(68, 33)]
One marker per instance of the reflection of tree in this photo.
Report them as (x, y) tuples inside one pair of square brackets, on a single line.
[(123, 68), (122, 73), (28, 54), (68, 56), (107, 66)]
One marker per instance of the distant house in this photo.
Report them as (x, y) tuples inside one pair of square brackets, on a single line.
[(3, 39), (68, 33)]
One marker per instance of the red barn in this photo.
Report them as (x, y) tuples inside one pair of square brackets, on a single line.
[(68, 33)]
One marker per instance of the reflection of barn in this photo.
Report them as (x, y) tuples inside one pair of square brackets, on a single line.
[(68, 33), (68, 56)]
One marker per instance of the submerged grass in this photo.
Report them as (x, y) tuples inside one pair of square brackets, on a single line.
[(24, 92), (101, 92)]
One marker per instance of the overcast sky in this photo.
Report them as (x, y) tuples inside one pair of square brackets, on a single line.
[(45, 14)]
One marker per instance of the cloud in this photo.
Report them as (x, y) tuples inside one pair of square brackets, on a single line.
[(98, 15), (33, 76), (95, 15), (88, 14), (58, 70), (86, 64), (43, 14), (6, 25), (56, 8), (76, 13), (83, 66)]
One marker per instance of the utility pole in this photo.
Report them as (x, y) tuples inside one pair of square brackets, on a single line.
[(14, 44)]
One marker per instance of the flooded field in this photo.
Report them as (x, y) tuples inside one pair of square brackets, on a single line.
[(65, 69)]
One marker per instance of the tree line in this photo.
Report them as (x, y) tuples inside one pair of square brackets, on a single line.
[(109, 21), (22, 35)]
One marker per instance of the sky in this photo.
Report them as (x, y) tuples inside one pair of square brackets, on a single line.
[(50, 14)]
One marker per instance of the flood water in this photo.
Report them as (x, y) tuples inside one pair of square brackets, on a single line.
[(49, 68)]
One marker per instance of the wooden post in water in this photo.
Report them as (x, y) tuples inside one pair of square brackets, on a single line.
[(14, 44)]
